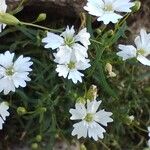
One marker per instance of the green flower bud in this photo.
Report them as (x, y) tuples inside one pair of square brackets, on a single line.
[(43, 109), (8, 19), (92, 93), (41, 17), (81, 100), (98, 31), (21, 111), (129, 120), (34, 146), (38, 138), (137, 6), (110, 32), (82, 147)]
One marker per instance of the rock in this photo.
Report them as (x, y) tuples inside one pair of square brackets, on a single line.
[(70, 6)]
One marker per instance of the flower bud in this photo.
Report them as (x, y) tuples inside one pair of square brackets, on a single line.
[(92, 93), (137, 6), (34, 146), (38, 138), (41, 17), (129, 120), (82, 147), (43, 109), (98, 31), (108, 68), (8, 19), (81, 100), (21, 111), (110, 32)]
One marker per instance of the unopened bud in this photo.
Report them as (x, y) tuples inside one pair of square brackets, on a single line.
[(21, 111), (38, 138), (34, 146), (41, 17), (82, 147), (110, 32), (137, 6), (108, 68), (43, 109), (8, 19), (81, 100), (129, 120), (92, 93), (98, 31)]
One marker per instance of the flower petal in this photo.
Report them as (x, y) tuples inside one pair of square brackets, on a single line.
[(128, 51), (53, 41), (94, 7), (95, 131), (123, 6), (103, 117), (108, 17), (79, 112), (143, 60), (80, 129), (92, 106), (83, 36)]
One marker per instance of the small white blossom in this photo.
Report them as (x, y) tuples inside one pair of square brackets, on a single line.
[(68, 43), (92, 121), (140, 52), (108, 10), (70, 69), (131, 118), (3, 8), (13, 73), (3, 113)]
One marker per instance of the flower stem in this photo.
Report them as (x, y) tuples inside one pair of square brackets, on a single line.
[(41, 27), (95, 41)]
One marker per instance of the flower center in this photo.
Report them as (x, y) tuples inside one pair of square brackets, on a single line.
[(141, 51), (108, 7), (10, 71), (89, 117), (69, 41), (72, 65)]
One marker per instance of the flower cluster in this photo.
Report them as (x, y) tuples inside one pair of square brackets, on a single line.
[(3, 8), (140, 52), (71, 52)]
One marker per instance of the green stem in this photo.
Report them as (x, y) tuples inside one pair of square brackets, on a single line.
[(41, 27), (96, 41)]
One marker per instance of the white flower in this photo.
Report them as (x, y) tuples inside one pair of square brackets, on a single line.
[(3, 8), (131, 118), (13, 73), (71, 69), (108, 10), (140, 52), (91, 121), (68, 43), (3, 113)]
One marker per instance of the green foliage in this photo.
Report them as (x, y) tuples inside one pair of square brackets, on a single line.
[(40, 112)]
